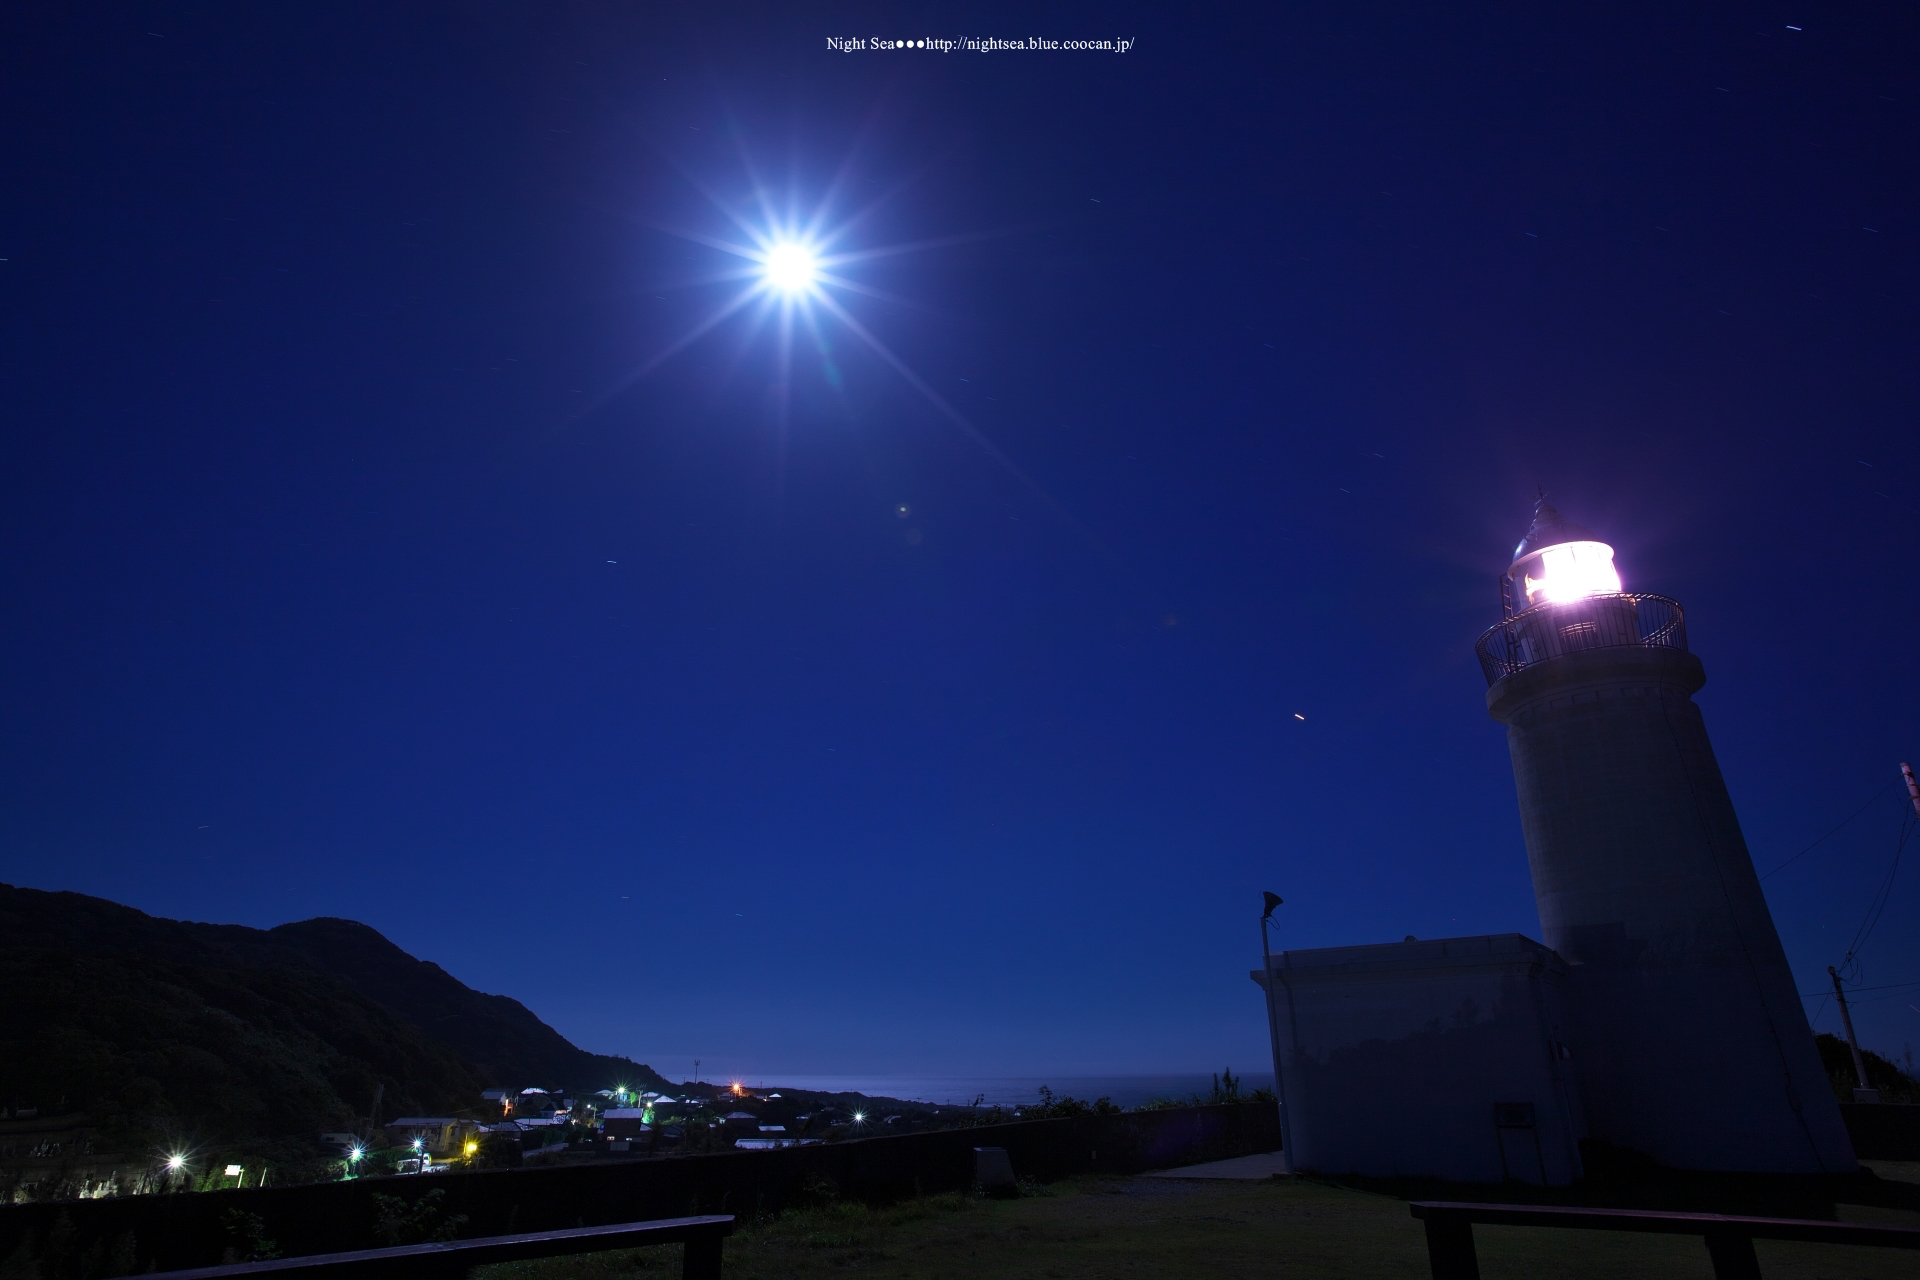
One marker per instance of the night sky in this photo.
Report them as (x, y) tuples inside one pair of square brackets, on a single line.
[(350, 564)]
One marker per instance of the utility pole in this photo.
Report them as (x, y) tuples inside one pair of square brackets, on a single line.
[(1865, 1092), (1853, 1041), (373, 1116), (1273, 1035)]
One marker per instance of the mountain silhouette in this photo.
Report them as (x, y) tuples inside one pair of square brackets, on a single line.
[(253, 1037)]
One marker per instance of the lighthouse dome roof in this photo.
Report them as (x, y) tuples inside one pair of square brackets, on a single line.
[(1550, 529)]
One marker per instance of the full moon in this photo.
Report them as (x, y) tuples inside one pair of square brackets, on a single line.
[(789, 267)]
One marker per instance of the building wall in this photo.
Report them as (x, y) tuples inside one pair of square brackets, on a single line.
[(440, 1137), (1692, 1044), (1396, 1057)]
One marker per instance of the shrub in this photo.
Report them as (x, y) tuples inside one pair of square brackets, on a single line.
[(395, 1222)]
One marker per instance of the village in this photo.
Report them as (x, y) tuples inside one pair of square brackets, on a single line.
[(535, 1125)]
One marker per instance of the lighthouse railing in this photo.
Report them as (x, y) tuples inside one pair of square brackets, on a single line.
[(1612, 621)]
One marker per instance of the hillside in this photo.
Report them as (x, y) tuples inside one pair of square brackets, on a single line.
[(229, 1034), (1894, 1084), (173, 1055), (499, 1035)]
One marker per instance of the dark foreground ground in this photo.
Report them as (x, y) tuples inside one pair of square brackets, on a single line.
[(1148, 1228)]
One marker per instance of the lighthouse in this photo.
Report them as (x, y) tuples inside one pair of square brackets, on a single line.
[(1685, 1028), (1657, 1017)]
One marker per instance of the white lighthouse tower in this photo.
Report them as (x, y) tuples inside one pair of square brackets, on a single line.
[(1688, 1036), (1658, 1016)]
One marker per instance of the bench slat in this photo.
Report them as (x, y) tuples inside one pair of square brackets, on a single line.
[(482, 1250), (1671, 1223), (1693, 1224)]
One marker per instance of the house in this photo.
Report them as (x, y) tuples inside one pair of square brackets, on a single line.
[(541, 1102), (443, 1136), (535, 1133), (341, 1144), (625, 1122)]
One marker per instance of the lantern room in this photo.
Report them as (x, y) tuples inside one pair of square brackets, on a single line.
[(1557, 562)]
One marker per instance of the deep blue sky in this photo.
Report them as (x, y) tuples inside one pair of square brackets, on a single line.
[(345, 570)]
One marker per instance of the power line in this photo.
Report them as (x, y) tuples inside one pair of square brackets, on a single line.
[(1886, 987), (1836, 831), (1877, 905)]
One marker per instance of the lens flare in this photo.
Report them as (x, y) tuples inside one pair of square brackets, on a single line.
[(790, 271), (790, 267)]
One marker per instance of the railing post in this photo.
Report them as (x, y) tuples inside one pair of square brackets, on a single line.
[(1732, 1255), (701, 1260), (1450, 1248)]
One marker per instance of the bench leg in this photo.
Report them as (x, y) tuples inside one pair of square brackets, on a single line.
[(1732, 1256), (1450, 1250), (702, 1258)]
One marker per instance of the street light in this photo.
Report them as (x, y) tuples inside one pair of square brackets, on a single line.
[(1273, 900)]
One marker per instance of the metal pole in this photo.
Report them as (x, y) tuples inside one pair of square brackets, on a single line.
[(1273, 1036), (1846, 1020)]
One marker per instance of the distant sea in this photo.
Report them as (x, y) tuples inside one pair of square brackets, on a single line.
[(1010, 1091)]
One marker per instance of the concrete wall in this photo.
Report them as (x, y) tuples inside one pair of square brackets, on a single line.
[(1690, 1040), (126, 1235), (1395, 1058)]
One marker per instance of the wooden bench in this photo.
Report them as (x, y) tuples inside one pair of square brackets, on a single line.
[(1729, 1239), (451, 1260)]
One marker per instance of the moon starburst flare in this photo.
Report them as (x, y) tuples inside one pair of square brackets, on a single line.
[(790, 267)]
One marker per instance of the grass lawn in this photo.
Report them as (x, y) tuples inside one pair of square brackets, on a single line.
[(1149, 1228)]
